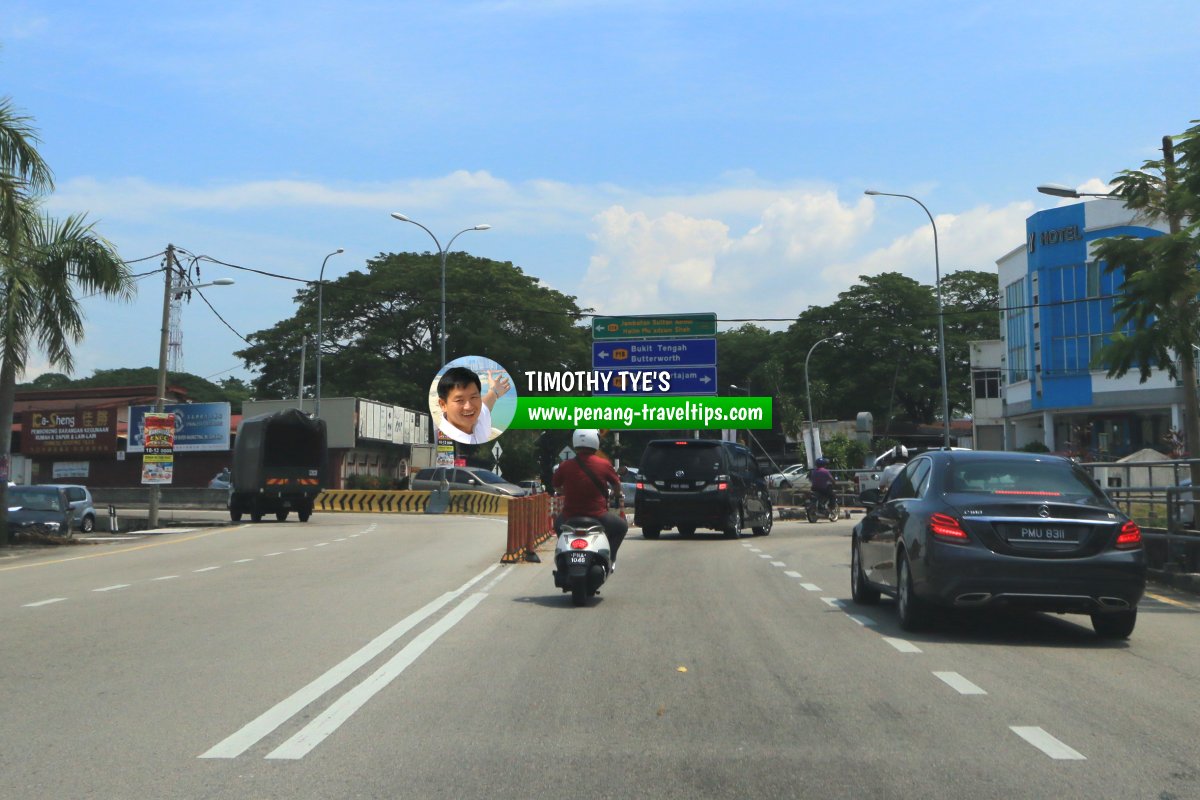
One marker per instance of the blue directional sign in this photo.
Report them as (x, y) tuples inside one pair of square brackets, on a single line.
[(654, 353), (683, 381)]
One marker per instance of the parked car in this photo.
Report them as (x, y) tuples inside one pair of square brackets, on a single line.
[(466, 479), (533, 486), (988, 529), (83, 511), (701, 483), (793, 477), (39, 507), (221, 480)]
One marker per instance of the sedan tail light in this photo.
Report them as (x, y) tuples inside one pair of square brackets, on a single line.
[(947, 528), (1130, 536)]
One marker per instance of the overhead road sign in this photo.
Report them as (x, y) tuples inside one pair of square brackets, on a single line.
[(683, 381), (654, 353), (666, 326)]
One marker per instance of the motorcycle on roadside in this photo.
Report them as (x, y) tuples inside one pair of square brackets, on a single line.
[(818, 508)]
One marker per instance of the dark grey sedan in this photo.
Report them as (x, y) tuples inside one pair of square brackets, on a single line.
[(976, 529)]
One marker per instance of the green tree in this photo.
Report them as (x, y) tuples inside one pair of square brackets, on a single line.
[(380, 328), (971, 300), (1158, 309)]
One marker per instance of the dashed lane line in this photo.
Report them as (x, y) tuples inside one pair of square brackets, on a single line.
[(1046, 743), (778, 564), (44, 602), (206, 569), (165, 578), (791, 573), (958, 683), (903, 645), (112, 588), (243, 561), (812, 587)]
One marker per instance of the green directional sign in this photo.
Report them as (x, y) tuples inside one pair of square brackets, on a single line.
[(654, 327)]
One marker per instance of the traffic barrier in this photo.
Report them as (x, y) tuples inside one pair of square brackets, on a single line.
[(530, 522), (372, 500)]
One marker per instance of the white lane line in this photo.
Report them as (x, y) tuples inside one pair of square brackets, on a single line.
[(755, 550), (833, 602), (245, 738), (298, 549), (1047, 743), (778, 564), (332, 718), (958, 683), (903, 645), (791, 573), (747, 544), (866, 622), (277, 553), (322, 544), (764, 555), (165, 578), (355, 535), (205, 569), (340, 540), (112, 588), (812, 587), (44, 602), (243, 560)]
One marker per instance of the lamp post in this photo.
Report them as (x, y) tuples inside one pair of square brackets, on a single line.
[(442, 255), (812, 430), (160, 400), (1058, 190), (937, 271), (320, 341)]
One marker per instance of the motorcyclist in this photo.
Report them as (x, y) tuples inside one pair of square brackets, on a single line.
[(585, 483), (823, 483), (898, 458)]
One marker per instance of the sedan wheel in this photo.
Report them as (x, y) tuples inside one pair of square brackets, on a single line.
[(914, 615), (1114, 624), (88, 524), (862, 592)]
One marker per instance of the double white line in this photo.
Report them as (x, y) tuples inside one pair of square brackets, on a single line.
[(327, 722)]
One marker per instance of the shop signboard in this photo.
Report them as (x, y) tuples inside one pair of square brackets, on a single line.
[(74, 432), (198, 426)]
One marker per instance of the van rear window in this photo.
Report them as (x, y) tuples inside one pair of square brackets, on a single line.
[(698, 460)]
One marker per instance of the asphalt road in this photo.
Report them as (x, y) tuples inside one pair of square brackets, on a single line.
[(383, 656)]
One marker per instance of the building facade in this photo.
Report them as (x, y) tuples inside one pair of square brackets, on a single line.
[(1056, 314)]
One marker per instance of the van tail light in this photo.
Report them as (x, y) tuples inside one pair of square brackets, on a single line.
[(1130, 536), (947, 528)]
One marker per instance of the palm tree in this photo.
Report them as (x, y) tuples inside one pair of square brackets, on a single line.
[(46, 265)]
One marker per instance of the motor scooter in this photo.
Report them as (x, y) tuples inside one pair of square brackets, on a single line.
[(582, 557)]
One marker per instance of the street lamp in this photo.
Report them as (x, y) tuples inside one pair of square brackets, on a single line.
[(812, 432), (441, 254), (160, 400), (1058, 190), (320, 314), (937, 271)]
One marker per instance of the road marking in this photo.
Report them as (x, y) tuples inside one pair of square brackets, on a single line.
[(866, 622), (122, 550), (764, 555), (250, 734), (1169, 600), (355, 535), (793, 574), (778, 564), (322, 544), (340, 540), (166, 578), (205, 569), (243, 560), (903, 645), (833, 601), (298, 549), (1047, 743), (812, 587), (276, 553), (755, 550), (958, 683), (44, 602), (332, 718), (112, 588), (747, 544)]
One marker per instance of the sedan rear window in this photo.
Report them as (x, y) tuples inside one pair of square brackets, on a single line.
[(1020, 478)]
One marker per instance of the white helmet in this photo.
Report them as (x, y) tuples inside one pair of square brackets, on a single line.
[(586, 437), (900, 453)]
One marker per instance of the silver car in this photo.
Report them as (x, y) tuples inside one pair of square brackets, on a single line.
[(83, 511), (472, 479)]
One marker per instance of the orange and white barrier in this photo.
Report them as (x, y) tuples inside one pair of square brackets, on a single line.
[(530, 522)]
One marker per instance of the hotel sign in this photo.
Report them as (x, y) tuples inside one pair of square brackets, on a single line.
[(1071, 233)]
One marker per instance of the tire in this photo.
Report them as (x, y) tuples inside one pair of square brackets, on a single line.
[(256, 516), (235, 514), (733, 527), (1114, 624), (810, 512), (833, 513), (687, 531), (579, 593), (914, 614), (281, 516), (651, 533), (860, 590), (87, 524), (765, 528), (304, 515)]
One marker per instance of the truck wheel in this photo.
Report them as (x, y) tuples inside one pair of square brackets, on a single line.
[(235, 514), (281, 515), (304, 515), (256, 516)]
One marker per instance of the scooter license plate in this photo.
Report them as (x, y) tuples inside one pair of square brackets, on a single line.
[(579, 558)]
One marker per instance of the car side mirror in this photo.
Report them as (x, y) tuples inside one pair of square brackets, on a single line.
[(869, 498)]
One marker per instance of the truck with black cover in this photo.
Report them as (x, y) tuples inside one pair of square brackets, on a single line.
[(279, 463)]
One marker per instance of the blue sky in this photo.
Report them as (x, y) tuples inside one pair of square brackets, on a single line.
[(648, 157)]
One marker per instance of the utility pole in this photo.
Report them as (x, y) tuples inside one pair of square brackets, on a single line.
[(160, 399)]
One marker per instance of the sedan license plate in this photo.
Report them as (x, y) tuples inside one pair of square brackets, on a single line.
[(1042, 533)]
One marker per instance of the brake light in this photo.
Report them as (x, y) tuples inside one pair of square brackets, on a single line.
[(1032, 493), (681, 443), (722, 486), (640, 485), (944, 526), (579, 544), (1130, 536)]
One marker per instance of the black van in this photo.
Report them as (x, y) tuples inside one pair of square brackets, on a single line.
[(701, 483)]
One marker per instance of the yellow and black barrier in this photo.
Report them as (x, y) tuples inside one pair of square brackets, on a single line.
[(381, 501)]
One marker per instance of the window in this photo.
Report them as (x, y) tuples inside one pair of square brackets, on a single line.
[(1015, 327), (987, 384), (1093, 279)]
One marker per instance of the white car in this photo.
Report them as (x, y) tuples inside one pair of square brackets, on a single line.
[(796, 475)]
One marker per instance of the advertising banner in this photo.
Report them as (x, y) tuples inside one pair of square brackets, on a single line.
[(69, 433), (158, 447), (198, 426)]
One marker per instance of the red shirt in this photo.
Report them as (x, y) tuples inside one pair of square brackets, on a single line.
[(581, 496)]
